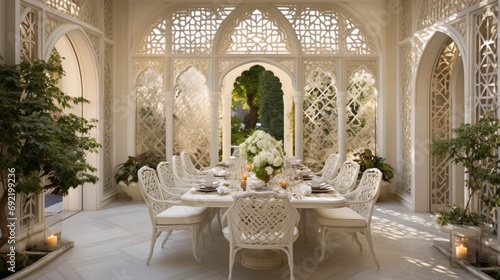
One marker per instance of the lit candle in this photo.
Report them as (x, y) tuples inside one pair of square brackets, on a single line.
[(461, 252), (51, 242), (243, 184), (283, 184), (244, 177)]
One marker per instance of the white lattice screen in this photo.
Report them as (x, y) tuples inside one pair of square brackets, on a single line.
[(320, 118), (150, 134), (361, 106), (319, 29), (486, 68), (192, 117), (441, 119)]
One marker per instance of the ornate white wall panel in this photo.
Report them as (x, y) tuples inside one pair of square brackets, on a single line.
[(150, 108), (107, 145), (406, 74), (361, 108), (434, 11), (29, 26), (192, 117), (84, 10), (441, 118), (320, 118)]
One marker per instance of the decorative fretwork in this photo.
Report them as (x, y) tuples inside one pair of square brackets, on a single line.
[(441, 118), (486, 70), (30, 213), (95, 40), (406, 70), (434, 11), (320, 118), (84, 10), (324, 30), (108, 19), (29, 33), (193, 29), (255, 33), (50, 25), (189, 30), (107, 145), (406, 19), (460, 26), (150, 132), (192, 117), (361, 112), (312, 65), (486, 61), (180, 65)]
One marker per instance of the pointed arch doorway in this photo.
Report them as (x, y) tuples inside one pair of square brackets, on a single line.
[(440, 107), (227, 80), (80, 80)]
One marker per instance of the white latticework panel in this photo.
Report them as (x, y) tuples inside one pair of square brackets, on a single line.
[(404, 186), (486, 69), (361, 108), (405, 19), (150, 132), (84, 10), (321, 30), (436, 10), (255, 33), (320, 118), (441, 117), (192, 117), (486, 61), (108, 19), (28, 37), (107, 145), (191, 30)]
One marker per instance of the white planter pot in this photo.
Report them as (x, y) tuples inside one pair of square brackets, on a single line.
[(133, 190)]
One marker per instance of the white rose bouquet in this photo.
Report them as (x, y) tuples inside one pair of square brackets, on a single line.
[(264, 152)]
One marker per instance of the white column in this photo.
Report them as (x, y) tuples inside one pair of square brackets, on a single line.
[(169, 124), (287, 133), (342, 125), (214, 127), (299, 124), (12, 53), (226, 125)]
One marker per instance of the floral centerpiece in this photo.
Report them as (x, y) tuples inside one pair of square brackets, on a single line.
[(264, 153)]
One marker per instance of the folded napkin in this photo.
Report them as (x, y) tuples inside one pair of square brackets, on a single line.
[(218, 172), (223, 190), (306, 189)]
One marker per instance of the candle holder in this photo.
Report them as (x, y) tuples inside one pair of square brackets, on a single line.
[(53, 231), (463, 243)]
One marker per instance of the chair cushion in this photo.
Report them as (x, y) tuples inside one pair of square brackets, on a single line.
[(180, 214), (225, 231), (339, 217)]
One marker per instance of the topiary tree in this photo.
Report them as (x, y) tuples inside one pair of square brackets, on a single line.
[(39, 142), (271, 104)]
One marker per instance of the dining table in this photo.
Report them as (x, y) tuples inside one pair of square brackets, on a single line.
[(264, 259)]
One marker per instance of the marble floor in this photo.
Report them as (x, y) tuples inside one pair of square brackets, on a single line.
[(113, 243)]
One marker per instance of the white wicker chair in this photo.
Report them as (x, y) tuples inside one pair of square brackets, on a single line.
[(167, 216), (345, 181), (188, 165), (330, 169), (356, 217), (171, 191), (261, 220), (183, 179)]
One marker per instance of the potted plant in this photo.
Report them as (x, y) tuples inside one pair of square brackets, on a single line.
[(126, 172), (41, 146), (475, 146), (367, 159)]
